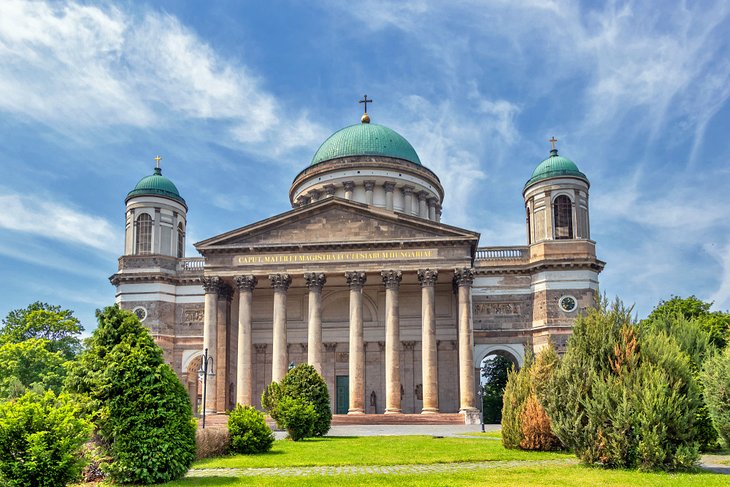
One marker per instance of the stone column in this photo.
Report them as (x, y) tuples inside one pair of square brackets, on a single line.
[(280, 283), (549, 230), (438, 213), (244, 355), (315, 282), (349, 188), (369, 186), (422, 205), (392, 279), (429, 353), (223, 337), (211, 285), (389, 187), (432, 208), (407, 199), (356, 281), (464, 279)]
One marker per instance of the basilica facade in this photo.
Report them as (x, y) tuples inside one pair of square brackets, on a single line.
[(361, 279)]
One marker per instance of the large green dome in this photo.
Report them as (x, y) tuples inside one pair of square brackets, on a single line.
[(366, 139), (555, 166), (156, 185)]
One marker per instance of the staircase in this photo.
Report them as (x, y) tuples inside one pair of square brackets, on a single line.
[(221, 420)]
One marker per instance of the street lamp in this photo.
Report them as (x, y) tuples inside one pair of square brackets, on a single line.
[(203, 374), (480, 393)]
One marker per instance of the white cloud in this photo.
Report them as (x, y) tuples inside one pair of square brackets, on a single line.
[(53, 220), (76, 67), (721, 296)]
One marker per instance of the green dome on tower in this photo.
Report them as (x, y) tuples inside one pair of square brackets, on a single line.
[(366, 139), (156, 185), (555, 166)]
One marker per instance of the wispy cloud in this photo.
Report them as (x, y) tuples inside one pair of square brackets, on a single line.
[(53, 220), (74, 67)]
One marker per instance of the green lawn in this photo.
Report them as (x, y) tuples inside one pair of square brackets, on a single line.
[(517, 476), (376, 450)]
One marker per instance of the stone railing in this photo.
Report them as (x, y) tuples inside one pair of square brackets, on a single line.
[(191, 264), (503, 253)]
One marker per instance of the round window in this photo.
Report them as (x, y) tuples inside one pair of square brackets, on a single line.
[(568, 303), (140, 312)]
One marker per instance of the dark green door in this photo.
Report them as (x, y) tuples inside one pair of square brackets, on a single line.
[(342, 394)]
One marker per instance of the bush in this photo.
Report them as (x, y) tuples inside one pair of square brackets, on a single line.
[(249, 432), (212, 442), (716, 379), (622, 396), (304, 383), (41, 439), (298, 417), (139, 407), (525, 423)]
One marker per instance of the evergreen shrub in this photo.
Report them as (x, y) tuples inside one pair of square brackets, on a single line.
[(41, 440), (621, 396), (248, 430), (298, 417), (716, 379), (140, 409)]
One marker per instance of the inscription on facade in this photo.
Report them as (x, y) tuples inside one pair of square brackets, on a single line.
[(192, 316), (504, 309), (325, 257)]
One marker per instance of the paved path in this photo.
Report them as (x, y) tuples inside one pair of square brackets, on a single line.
[(370, 469), (712, 463), (453, 430)]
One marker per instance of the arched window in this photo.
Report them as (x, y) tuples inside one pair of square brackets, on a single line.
[(144, 234), (563, 217), (180, 241)]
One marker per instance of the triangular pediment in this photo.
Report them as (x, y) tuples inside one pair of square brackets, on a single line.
[(335, 221)]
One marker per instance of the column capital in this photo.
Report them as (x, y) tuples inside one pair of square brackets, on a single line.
[(464, 277), (260, 347), (349, 185), (408, 345), (356, 279), (330, 346), (211, 284), (304, 200), (391, 279), (407, 190), (389, 186), (427, 277), (225, 291), (422, 195), (315, 280), (315, 194), (246, 283), (369, 185), (280, 282), (432, 201), (329, 189)]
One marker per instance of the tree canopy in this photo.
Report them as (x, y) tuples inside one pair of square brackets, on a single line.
[(715, 323), (59, 327)]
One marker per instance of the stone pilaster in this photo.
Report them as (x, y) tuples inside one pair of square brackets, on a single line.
[(464, 278), (356, 281), (391, 280), (369, 186), (315, 282), (280, 283), (389, 187), (211, 285), (429, 353), (244, 355)]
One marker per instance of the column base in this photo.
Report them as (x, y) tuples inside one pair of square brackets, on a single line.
[(430, 411), (393, 411), (355, 411), (471, 415)]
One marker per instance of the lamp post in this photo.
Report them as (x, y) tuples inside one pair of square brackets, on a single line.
[(203, 374), (480, 393)]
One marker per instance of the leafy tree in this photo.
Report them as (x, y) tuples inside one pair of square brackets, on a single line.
[(495, 372), (41, 438), (140, 409), (716, 324), (716, 379), (29, 364), (59, 327), (624, 397)]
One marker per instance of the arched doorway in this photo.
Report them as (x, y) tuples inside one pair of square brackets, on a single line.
[(192, 383), (493, 372)]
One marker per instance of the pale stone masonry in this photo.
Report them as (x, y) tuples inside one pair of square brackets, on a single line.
[(394, 308)]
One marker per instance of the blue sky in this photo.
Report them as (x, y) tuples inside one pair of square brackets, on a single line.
[(237, 96)]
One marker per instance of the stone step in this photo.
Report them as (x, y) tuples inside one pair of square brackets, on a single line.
[(221, 420)]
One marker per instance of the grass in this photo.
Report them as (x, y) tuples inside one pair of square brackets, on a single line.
[(376, 450), (552, 476), (489, 434)]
